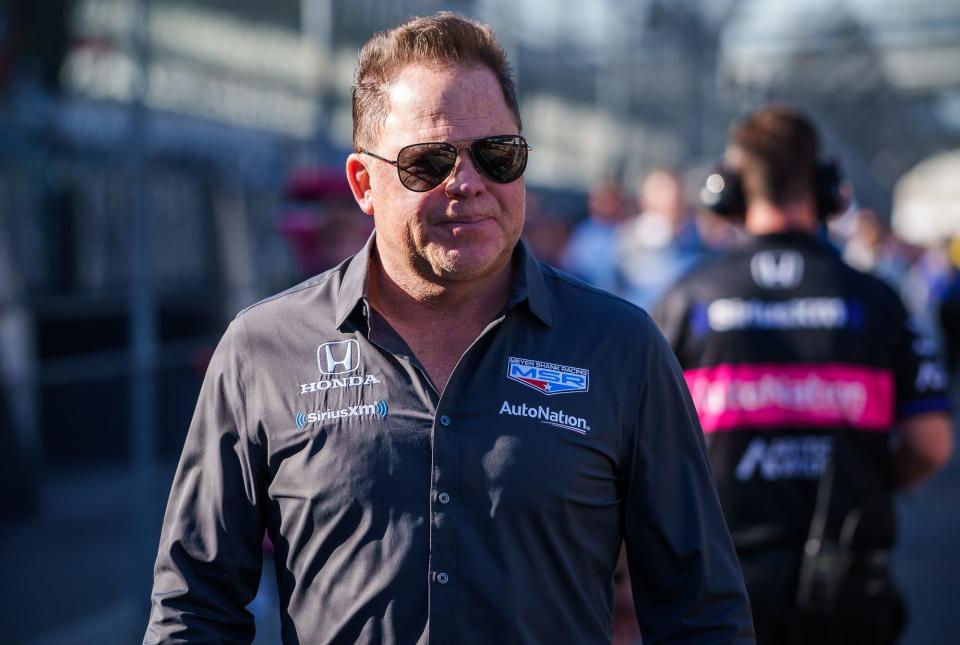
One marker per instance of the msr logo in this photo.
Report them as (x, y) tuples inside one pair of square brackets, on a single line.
[(548, 378), (338, 357)]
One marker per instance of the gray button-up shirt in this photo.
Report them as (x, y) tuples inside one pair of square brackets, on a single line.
[(493, 512)]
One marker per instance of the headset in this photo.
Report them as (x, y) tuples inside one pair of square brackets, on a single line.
[(722, 192)]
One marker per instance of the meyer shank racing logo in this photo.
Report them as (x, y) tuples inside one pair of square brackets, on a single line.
[(548, 378), (336, 360)]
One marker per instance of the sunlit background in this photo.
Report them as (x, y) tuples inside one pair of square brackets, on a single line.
[(163, 164)]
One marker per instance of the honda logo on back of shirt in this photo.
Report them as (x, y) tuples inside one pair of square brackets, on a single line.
[(777, 269), (338, 357)]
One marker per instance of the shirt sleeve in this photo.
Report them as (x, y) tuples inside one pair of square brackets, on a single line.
[(687, 583), (921, 383), (210, 555)]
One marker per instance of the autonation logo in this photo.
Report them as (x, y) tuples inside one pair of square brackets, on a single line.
[(379, 409), (545, 414)]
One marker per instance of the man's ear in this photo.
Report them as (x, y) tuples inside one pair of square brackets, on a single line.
[(359, 180)]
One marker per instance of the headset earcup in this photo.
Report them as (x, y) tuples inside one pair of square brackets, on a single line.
[(830, 199), (722, 193)]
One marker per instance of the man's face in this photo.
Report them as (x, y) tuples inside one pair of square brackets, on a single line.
[(467, 227)]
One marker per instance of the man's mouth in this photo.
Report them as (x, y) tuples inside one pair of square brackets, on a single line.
[(464, 219), (464, 223)]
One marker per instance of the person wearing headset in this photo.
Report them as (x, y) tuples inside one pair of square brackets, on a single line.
[(817, 397)]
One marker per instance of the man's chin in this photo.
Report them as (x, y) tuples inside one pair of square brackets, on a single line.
[(467, 264)]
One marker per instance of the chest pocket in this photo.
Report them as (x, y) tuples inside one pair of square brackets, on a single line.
[(522, 454)]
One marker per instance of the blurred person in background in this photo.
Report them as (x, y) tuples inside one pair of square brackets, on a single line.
[(17, 475), (949, 311), (918, 273), (389, 422), (873, 248), (14, 474), (817, 398), (661, 243), (717, 232), (626, 631), (591, 251), (925, 283), (545, 233), (320, 221)]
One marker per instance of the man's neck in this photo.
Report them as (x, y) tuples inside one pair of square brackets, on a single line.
[(764, 217), (403, 294), (438, 322)]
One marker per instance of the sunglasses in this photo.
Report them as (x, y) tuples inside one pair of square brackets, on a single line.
[(424, 166)]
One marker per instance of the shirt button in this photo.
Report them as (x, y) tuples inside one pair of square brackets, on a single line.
[(445, 421), (443, 498), (443, 578)]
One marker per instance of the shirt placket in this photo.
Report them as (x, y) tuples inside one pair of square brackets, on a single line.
[(443, 481), (444, 502), (445, 498)]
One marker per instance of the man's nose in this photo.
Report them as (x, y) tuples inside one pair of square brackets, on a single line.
[(465, 179)]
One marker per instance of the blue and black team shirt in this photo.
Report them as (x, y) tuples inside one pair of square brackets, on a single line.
[(791, 357), (491, 512)]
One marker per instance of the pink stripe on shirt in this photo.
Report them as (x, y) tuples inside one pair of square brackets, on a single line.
[(730, 397)]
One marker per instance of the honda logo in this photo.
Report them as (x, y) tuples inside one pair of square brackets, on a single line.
[(339, 357), (777, 269)]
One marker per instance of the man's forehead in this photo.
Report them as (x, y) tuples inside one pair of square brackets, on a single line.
[(430, 104)]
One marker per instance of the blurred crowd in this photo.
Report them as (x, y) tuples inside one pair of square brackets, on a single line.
[(636, 244)]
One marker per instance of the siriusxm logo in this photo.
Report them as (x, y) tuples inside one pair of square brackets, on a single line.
[(545, 414), (727, 314), (379, 409), (548, 378)]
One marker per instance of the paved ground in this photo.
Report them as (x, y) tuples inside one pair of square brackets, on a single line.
[(927, 560), (78, 571)]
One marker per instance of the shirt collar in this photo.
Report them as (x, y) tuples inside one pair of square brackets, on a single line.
[(353, 287), (812, 240), (528, 284)]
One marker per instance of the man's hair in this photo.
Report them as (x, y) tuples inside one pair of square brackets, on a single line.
[(445, 39), (775, 150)]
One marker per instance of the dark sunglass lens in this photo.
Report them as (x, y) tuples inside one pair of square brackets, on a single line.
[(424, 166), (502, 158)]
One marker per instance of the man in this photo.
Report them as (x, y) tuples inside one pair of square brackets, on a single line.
[(589, 253), (661, 243), (817, 398), (445, 440), (949, 310)]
